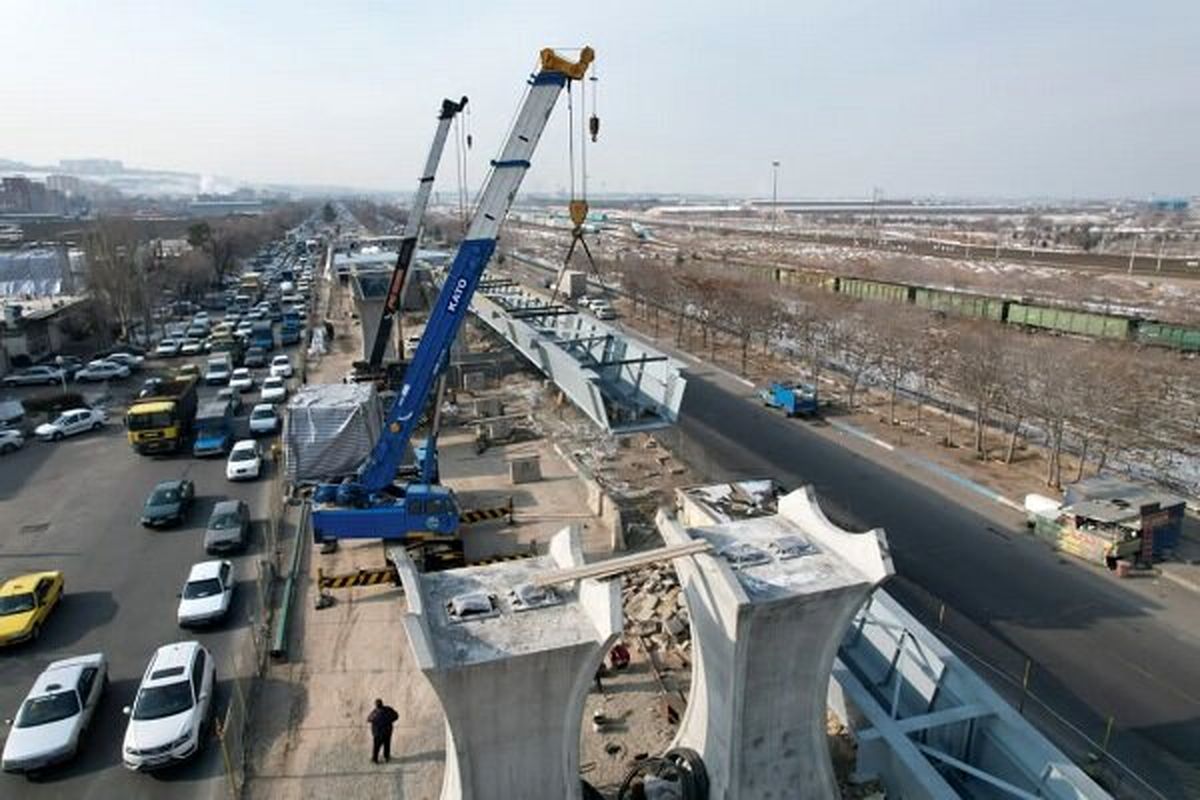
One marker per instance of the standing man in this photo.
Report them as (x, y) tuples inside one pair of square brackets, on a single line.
[(381, 719)]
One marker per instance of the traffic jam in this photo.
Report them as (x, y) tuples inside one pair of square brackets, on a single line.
[(206, 388)]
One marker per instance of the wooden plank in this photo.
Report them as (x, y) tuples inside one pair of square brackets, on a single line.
[(615, 566)]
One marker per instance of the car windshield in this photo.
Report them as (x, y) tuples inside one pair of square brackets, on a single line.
[(157, 702), (242, 455), (221, 522), (164, 496), (273, 383), (48, 708), (198, 590), (262, 413), (141, 422), (16, 604)]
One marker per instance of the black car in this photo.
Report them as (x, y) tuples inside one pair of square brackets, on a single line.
[(150, 387), (255, 357), (168, 503)]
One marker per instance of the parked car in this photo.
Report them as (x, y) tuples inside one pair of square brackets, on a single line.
[(274, 390), (255, 357), (168, 503), (241, 380), (102, 370), (128, 359), (206, 595), (263, 419), (168, 348), (34, 376), (228, 527), (69, 423), (50, 723), (25, 603), (245, 461), (281, 367), (12, 440), (68, 364), (173, 704)]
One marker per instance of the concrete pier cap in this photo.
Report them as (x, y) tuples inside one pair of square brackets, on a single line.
[(512, 665), (769, 606)]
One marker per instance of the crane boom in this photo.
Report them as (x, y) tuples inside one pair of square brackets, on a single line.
[(412, 232), (366, 508)]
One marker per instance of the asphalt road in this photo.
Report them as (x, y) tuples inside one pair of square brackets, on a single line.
[(75, 506), (1101, 648)]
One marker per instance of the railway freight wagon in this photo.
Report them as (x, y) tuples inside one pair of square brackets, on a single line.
[(1062, 320), (789, 276), (1176, 337), (875, 290), (962, 304)]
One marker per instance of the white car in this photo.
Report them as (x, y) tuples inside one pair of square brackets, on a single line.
[(274, 389), (69, 423), (173, 703), (281, 367), (245, 461), (168, 347), (102, 370), (207, 595), (34, 376), (55, 713), (263, 419), (11, 440), (241, 380), (130, 360), (191, 346)]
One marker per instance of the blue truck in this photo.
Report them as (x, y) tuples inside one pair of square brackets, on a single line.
[(214, 429), (797, 399), (262, 334), (290, 328)]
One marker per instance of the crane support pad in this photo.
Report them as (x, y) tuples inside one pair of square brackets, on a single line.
[(484, 514), (363, 577)]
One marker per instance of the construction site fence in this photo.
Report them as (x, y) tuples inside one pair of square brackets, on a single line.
[(1123, 763)]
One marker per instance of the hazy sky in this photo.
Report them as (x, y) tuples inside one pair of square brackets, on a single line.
[(1003, 97)]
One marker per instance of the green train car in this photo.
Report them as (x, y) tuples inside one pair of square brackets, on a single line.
[(804, 277), (864, 289), (960, 304), (1162, 334), (1062, 320)]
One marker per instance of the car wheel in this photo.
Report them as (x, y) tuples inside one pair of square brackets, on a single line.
[(96, 426), (57, 437), (8, 448)]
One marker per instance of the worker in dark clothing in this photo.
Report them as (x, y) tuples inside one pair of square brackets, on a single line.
[(381, 718)]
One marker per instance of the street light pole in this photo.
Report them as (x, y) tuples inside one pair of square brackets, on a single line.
[(62, 372), (1133, 251)]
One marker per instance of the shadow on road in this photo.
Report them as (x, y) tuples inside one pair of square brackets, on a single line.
[(79, 613)]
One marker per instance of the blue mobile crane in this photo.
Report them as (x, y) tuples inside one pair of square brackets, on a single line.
[(371, 505)]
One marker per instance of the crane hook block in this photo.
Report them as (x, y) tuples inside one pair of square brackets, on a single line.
[(579, 212), (594, 126), (575, 70), (450, 108)]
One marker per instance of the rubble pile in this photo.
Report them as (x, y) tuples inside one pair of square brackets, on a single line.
[(655, 609)]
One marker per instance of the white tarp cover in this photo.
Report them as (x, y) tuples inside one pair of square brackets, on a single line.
[(36, 271), (329, 430)]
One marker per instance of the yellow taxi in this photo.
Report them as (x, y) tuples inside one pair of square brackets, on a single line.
[(25, 602)]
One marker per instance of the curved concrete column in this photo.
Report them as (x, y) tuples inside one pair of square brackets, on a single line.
[(769, 607), (512, 680)]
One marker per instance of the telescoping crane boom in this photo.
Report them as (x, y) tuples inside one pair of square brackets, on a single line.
[(412, 232), (372, 506)]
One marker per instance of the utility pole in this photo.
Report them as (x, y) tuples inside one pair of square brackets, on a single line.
[(774, 196), (1133, 251), (1162, 243)]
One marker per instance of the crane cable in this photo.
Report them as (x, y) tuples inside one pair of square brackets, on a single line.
[(578, 205)]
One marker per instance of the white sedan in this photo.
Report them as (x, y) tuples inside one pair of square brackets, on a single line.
[(11, 440), (281, 367), (168, 347), (55, 713), (245, 461), (241, 380), (263, 419), (173, 703), (191, 346), (274, 390), (69, 423), (102, 370), (207, 595), (33, 376)]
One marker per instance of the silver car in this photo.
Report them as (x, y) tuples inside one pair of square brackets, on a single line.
[(55, 713)]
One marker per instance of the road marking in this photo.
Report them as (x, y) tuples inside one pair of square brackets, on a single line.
[(1184, 582), (861, 434)]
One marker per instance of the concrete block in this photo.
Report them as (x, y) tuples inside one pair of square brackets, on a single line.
[(526, 469), (487, 407), (768, 608), (475, 381), (499, 429), (512, 680)]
